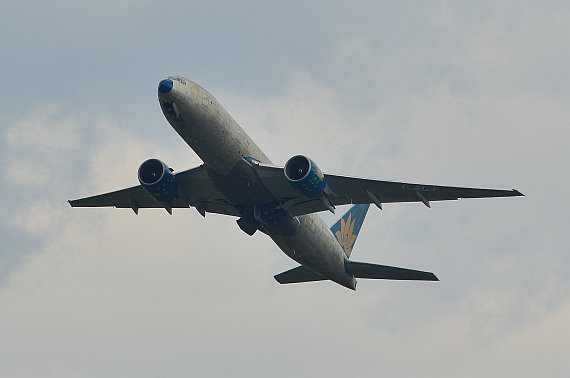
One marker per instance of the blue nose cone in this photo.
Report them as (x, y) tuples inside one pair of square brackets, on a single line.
[(165, 86)]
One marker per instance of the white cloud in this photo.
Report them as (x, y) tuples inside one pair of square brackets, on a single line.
[(37, 144), (46, 127), (114, 289)]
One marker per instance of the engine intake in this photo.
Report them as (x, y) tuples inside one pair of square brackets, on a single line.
[(158, 180), (305, 176)]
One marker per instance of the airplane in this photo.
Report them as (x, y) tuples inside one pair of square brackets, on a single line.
[(238, 179)]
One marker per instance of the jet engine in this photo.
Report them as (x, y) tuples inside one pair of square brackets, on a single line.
[(158, 180), (305, 176)]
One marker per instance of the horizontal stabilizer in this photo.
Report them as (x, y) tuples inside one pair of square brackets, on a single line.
[(366, 270), (298, 274)]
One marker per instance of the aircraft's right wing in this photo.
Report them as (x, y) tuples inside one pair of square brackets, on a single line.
[(359, 190), (344, 190), (195, 189)]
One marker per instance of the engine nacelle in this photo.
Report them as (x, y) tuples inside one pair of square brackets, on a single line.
[(158, 180), (305, 176)]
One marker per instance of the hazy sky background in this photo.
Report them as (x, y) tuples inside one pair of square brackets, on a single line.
[(450, 93)]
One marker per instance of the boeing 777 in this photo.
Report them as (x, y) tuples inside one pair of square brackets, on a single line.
[(238, 179)]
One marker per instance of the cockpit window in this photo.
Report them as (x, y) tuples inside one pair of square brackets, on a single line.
[(178, 79)]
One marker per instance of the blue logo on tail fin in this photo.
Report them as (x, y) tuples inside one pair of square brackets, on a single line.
[(347, 228)]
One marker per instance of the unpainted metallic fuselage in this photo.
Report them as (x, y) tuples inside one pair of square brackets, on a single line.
[(222, 145)]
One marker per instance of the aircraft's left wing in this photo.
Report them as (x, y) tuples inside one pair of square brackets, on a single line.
[(195, 189), (344, 190)]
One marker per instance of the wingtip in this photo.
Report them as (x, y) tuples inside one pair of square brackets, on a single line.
[(517, 193), (430, 277)]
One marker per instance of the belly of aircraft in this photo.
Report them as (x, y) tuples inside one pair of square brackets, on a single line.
[(306, 239)]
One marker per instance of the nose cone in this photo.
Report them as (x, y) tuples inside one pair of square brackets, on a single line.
[(165, 86)]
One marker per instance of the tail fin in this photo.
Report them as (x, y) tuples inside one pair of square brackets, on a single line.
[(347, 228)]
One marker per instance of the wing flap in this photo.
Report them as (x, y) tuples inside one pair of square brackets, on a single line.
[(373, 271)]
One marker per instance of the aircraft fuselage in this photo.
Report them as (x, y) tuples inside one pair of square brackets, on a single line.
[(222, 145)]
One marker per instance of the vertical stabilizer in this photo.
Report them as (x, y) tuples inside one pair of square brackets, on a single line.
[(347, 228)]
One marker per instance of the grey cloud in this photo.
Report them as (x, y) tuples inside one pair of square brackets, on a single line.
[(463, 94)]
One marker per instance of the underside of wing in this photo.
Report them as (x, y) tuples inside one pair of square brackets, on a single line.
[(344, 190), (194, 189), (124, 198), (357, 190)]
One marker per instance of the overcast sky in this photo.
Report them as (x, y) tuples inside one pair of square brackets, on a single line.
[(450, 93)]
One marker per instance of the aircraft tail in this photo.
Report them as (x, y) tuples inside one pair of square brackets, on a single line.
[(347, 228)]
